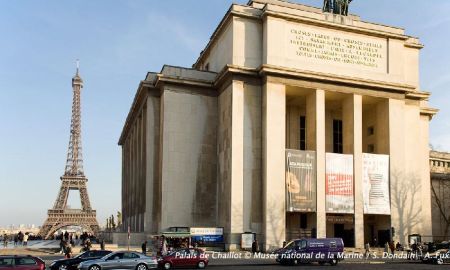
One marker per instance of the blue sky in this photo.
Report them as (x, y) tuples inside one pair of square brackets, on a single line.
[(117, 42)]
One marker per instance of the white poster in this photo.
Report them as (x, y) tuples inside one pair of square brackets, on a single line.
[(339, 184), (376, 184)]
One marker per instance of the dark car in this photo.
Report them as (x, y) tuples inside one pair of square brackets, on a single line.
[(72, 263), (308, 250), (21, 263), (187, 257), (439, 257)]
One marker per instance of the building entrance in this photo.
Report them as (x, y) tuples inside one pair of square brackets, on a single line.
[(341, 226)]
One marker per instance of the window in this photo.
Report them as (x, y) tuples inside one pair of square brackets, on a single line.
[(337, 137), (4, 262), (303, 244), (115, 256), (302, 143), (371, 148), (25, 261), (370, 130), (333, 244), (130, 255)]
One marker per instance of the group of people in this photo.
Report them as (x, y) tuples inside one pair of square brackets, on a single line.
[(389, 248), (67, 243), (20, 239)]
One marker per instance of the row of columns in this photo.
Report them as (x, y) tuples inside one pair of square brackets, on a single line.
[(133, 178), (274, 144)]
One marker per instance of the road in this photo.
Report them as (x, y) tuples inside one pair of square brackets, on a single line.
[(222, 264)]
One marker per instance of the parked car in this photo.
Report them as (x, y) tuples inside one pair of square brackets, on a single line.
[(21, 263), (308, 250), (186, 257), (120, 260), (72, 263), (442, 256)]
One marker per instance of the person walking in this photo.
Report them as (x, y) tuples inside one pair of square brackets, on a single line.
[(367, 250), (144, 248), (25, 239), (68, 251), (386, 248), (5, 240), (255, 246), (392, 247), (102, 244), (16, 239)]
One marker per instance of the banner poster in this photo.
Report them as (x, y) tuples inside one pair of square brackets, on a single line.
[(339, 183), (376, 184), (300, 181)]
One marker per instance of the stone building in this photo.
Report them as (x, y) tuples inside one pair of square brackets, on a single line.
[(440, 194), (292, 122)]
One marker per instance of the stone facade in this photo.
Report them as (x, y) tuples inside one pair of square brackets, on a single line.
[(206, 146), (440, 194)]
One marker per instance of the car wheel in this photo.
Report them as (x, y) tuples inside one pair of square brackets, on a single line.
[(167, 265), (141, 267), (333, 262), (201, 264), (62, 267), (439, 261), (94, 267)]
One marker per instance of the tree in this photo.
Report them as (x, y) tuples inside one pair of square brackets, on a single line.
[(119, 219), (113, 223), (441, 199)]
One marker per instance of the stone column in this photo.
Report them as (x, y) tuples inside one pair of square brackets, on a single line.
[(397, 168), (352, 139), (237, 165), (315, 140), (274, 143)]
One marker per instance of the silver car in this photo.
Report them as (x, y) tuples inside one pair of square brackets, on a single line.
[(121, 260)]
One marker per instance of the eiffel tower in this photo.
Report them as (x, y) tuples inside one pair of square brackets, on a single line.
[(73, 179)]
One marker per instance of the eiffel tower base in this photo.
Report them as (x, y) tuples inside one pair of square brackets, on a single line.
[(58, 219)]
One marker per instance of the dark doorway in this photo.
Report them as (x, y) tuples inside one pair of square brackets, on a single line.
[(339, 230), (384, 236), (346, 235)]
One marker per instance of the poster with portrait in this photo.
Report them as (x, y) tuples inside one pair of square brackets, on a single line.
[(339, 184), (376, 184), (300, 181)]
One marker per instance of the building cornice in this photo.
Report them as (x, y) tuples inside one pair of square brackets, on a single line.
[(137, 104), (317, 76), (430, 112)]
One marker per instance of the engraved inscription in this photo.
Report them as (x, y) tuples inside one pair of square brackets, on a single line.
[(339, 49)]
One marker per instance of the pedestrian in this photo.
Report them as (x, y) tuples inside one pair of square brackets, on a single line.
[(398, 247), (392, 247), (375, 242), (88, 244), (62, 246), (386, 248), (144, 248), (163, 246), (20, 236), (68, 251), (25, 239), (16, 239), (255, 246), (284, 244), (367, 250), (102, 244), (5, 240)]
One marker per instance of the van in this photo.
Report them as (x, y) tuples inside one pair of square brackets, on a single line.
[(308, 250)]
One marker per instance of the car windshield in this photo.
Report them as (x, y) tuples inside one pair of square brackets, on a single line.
[(290, 245), (83, 255)]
